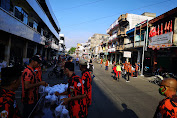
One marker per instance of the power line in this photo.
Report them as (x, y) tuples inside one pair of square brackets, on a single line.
[(80, 5), (116, 14)]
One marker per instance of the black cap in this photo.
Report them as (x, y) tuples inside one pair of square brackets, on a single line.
[(37, 58), (10, 74), (69, 65)]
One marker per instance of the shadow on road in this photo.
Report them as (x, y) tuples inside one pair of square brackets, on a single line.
[(103, 107), (131, 113)]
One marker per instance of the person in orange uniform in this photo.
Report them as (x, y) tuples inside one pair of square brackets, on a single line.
[(9, 84), (86, 80), (76, 92), (101, 62), (136, 69), (30, 86), (129, 69), (167, 108), (106, 64), (38, 71)]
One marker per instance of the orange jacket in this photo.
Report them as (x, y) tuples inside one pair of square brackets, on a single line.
[(38, 72), (106, 64), (101, 61)]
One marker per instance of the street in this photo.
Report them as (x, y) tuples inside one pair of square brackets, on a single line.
[(113, 99)]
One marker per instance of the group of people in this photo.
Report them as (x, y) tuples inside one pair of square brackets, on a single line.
[(11, 78), (125, 68), (79, 88)]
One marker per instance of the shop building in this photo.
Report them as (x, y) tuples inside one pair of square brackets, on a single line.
[(27, 27), (119, 41), (154, 42)]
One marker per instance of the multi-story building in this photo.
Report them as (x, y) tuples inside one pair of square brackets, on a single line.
[(62, 46), (27, 27), (79, 50), (95, 41), (157, 40), (118, 41)]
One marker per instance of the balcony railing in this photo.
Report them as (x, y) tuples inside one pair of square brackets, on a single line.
[(120, 47), (54, 46), (130, 45), (13, 25), (114, 36), (139, 44), (123, 20), (38, 9), (111, 49), (112, 26)]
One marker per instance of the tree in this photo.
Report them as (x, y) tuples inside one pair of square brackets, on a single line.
[(72, 50)]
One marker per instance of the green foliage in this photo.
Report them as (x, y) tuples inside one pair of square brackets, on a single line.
[(72, 50)]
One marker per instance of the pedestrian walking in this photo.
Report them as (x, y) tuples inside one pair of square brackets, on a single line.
[(114, 72), (10, 82), (30, 86), (125, 69), (101, 62), (129, 67), (86, 80), (106, 64), (167, 108), (90, 67), (118, 69), (76, 92), (136, 69)]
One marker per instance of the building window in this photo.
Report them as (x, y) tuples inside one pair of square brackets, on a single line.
[(35, 25), (6, 4), (42, 32), (21, 14)]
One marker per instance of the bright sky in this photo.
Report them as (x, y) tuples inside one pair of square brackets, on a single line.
[(80, 19)]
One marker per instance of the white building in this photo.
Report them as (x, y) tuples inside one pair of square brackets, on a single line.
[(62, 46), (27, 27)]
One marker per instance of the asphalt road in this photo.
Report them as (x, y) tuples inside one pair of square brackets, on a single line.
[(113, 99)]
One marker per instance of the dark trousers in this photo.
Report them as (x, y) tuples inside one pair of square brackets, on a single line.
[(28, 109), (128, 76), (106, 68), (136, 73)]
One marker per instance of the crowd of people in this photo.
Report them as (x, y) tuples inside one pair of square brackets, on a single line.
[(79, 88), (125, 69)]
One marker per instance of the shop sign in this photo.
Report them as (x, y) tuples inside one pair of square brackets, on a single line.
[(127, 54), (161, 39), (106, 53)]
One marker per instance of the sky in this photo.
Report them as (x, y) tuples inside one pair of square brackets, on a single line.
[(80, 19)]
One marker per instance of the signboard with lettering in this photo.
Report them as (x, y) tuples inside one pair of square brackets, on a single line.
[(127, 54), (161, 39)]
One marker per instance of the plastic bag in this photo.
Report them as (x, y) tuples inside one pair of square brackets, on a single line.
[(64, 113), (53, 99), (47, 98), (58, 110)]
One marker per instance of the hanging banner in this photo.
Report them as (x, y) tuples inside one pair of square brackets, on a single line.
[(161, 39)]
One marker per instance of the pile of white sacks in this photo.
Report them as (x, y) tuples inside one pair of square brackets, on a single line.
[(51, 98)]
